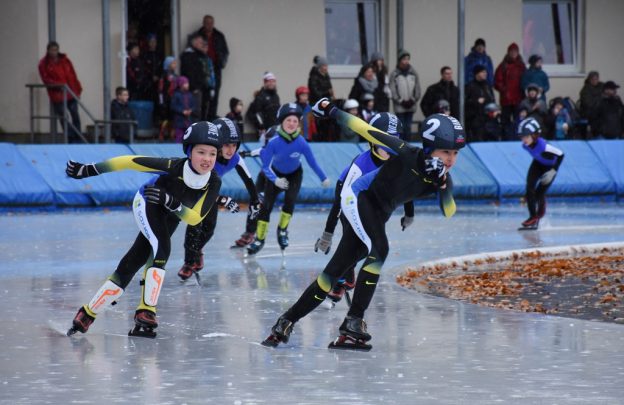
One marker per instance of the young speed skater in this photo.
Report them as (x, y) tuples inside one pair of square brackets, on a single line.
[(197, 236), (542, 172), (185, 189), (281, 164), (367, 205), (364, 163)]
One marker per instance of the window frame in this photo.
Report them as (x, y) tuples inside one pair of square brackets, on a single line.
[(351, 71), (574, 69)]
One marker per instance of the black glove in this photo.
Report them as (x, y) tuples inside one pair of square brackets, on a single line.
[(435, 169), (323, 108), (227, 202), (244, 153), (80, 170), (155, 195), (407, 103), (254, 210)]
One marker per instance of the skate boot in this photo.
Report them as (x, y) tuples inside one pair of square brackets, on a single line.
[(255, 246), (282, 238), (337, 292), (353, 335), (530, 223), (245, 239), (189, 269), (280, 333), (145, 323), (81, 322)]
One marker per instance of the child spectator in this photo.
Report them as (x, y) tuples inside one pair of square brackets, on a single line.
[(535, 74), (182, 106), (236, 114), (558, 121), (352, 107), (120, 110), (493, 126), (308, 122), (610, 113), (535, 106), (166, 88), (368, 107)]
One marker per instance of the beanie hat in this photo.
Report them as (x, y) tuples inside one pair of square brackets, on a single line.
[(533, 59), (167, 62), (513, 46), (182, 80), (233, 103), (403, 53), (301, 90), (376, 56), (479, 41), (349, 104), (268, 76), (320, 61)]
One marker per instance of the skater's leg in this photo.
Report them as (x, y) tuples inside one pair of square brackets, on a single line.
[(270, 194), (195, 239), (290, 197), (532, 178)]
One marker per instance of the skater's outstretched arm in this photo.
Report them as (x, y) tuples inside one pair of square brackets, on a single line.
[(129, 162)]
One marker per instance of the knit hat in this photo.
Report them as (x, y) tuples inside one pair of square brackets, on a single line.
[(533, 59), (233, 103), (182, 80), (167, 62), (268, 76), (479, 41), (512, 46), (301, 90), (349, 104), (403, 53), (478, 69), (375, 56), (610, 85), (320, 61)]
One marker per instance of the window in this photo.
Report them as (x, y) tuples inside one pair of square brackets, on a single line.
[(352, 32), (550, 29)]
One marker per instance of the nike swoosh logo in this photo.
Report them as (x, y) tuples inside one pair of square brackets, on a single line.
[(318, 298), (369, 283)]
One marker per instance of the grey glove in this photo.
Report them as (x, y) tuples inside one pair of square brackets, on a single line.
[(406, 221), (324, 243), (281, 183), (548, 177)]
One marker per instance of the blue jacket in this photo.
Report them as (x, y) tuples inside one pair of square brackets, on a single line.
[(285, 157), (181, 101), (535, 76), (475, 58)]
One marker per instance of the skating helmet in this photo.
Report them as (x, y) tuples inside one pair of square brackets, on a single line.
[(288, 109), (228, 132), (203, 132), (441, 131), (529, 126), (388, 123)]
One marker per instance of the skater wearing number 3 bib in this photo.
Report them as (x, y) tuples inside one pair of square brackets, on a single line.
[(367, 204)]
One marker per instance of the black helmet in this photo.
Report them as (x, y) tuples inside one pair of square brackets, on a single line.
[(203, 132), (441, 131), (228, 132), (388, 123), (528, 126), (288, 109)]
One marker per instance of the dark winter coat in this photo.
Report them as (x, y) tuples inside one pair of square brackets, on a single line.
[(475, 111), (610, 118), (475, 58), (262, 112), (320, 85), (60, 71), (198, 68), (439, 91), (119, 111), (382, 94), (507, 81), (220, 45), (590, 99), (137, 80)]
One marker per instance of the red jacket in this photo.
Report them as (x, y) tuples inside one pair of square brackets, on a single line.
[(507, 80), (60, 71)]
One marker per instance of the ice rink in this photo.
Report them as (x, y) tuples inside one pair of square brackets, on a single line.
[(426, 350)]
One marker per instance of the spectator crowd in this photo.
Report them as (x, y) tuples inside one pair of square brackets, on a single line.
[(496, 98)]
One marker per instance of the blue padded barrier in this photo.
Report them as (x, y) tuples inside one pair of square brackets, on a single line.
[(581, 171), (507, 162), (20, 184), (611, 155), (110, 188), (471, 179)]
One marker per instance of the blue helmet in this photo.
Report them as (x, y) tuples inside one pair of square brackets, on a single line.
[(441, 131), (528, 126), (289, 109), (388, 123), (228, 131), (202, 132)]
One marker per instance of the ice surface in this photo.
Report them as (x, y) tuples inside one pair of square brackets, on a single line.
[(426, 350)]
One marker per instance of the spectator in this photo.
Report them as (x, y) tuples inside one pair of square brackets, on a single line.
[(445, 89), (405, 92), (236, 114), (307, 122), (535, 74), (366, 82), (153, 64), (319, 82), (507, 81), (166, 88), (120, 110), (591, 94), (56, 68), (351, 106), (610, 113), (137, 81), (478, 94), (262, 112), (382, 93), (558, 122), (493, 126), (198, 68), (478, 56), (182, 105), (218, 53), (367, 104), (443, 107), (533, 104)]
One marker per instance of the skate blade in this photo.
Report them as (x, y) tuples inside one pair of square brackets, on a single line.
[(141, 332), (346, 345), (528, 228), (348, 298), (71, 331), (197, 278), (271, 341)]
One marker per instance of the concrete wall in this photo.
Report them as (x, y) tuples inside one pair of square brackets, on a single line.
[(281, 36)]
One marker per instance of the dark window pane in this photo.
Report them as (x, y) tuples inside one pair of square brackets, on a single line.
[(351, 31)]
